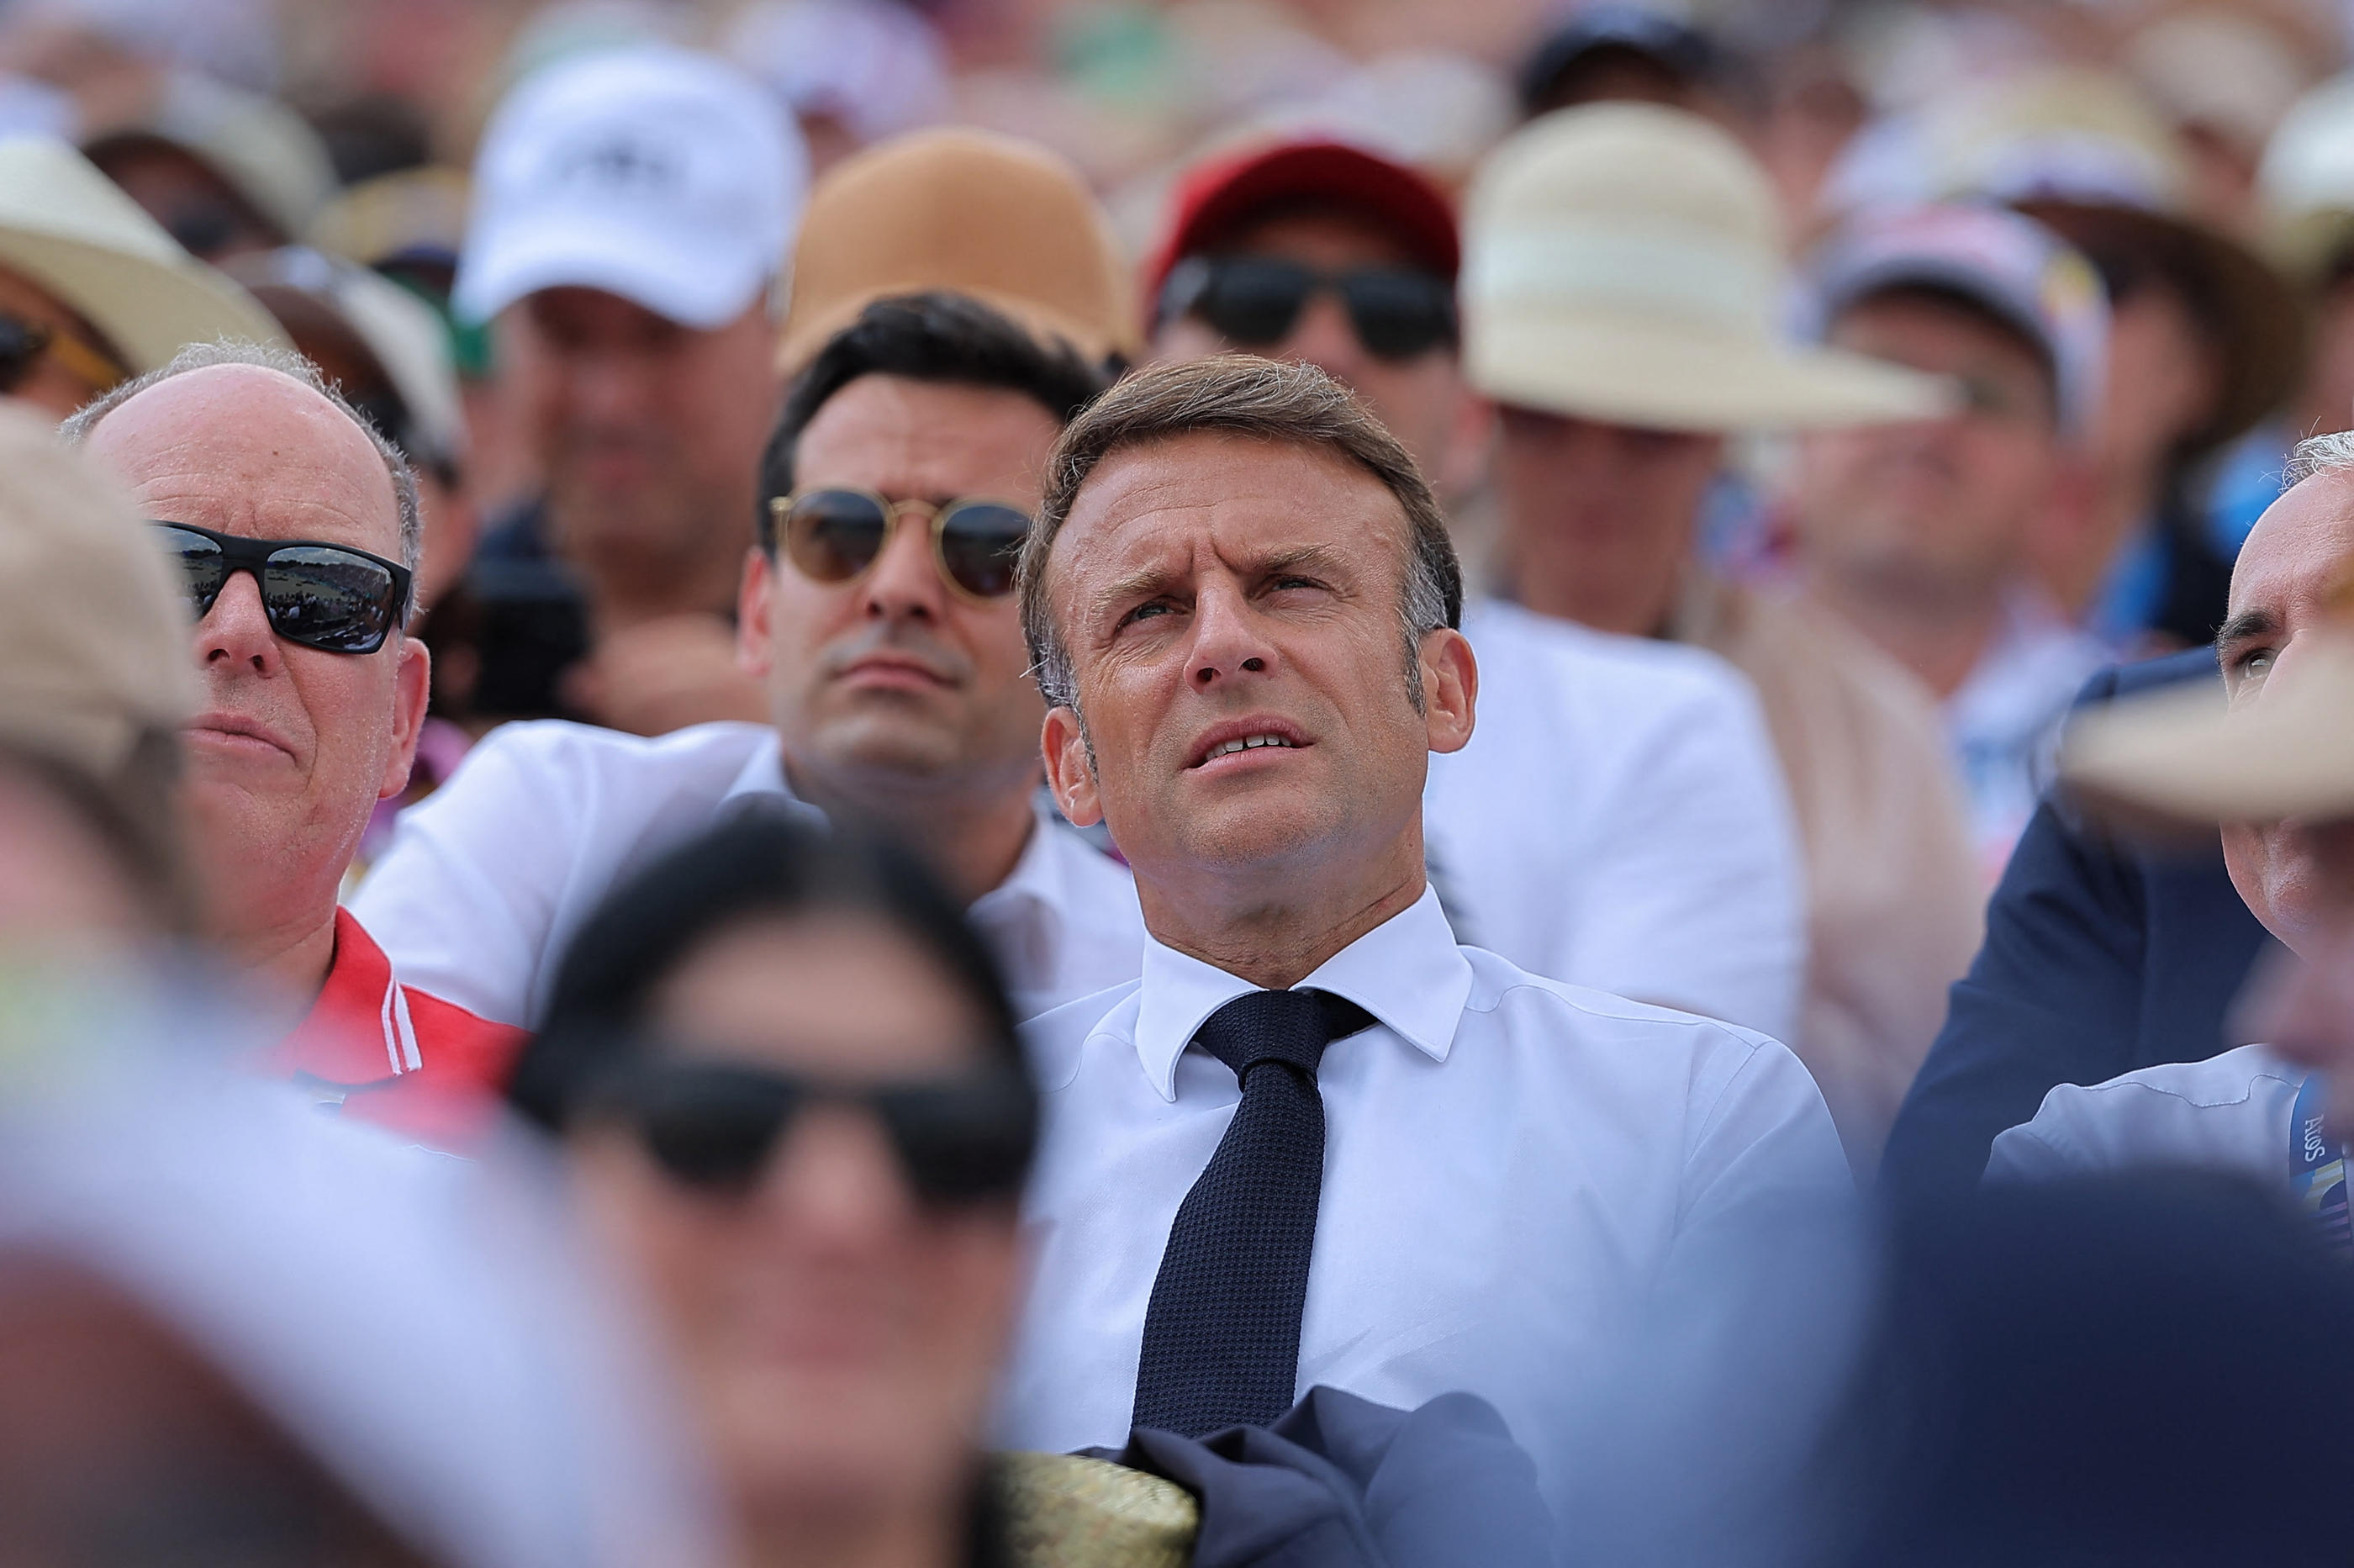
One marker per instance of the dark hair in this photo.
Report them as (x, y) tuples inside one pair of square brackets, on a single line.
[(1259, 399), (925, 337), (756, 866)]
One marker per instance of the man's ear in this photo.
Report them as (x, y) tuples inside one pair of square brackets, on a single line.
[(1069, 772), (1451, 688), (754, 645), (412, 688)]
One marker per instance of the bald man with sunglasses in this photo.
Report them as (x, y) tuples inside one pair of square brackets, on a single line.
[(293, 529)]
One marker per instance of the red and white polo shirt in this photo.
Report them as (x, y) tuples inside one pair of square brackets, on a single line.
[(394, 1055)]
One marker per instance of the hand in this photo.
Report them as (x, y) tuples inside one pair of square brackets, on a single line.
[(664, 674)]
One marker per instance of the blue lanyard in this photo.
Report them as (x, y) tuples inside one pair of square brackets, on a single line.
[(2318, 1169)]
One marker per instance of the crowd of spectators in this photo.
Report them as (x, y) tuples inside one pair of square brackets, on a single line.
[(888, 783)]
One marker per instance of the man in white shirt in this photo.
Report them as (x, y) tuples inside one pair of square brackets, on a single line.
[(2275, 766), (1620, 819), (1396, 1165), (877, 608)]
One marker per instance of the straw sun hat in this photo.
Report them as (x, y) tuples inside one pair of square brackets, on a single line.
[(1624, 263), (66, 228)]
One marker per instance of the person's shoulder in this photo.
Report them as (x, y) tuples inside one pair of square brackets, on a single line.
[(1601, 1018), (583, 753), (1621, 680), (1057, 1040), (2222, 1112)]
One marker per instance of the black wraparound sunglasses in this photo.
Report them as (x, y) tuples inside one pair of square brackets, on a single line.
[(713, 1126), (1253, 302), (328, 597)]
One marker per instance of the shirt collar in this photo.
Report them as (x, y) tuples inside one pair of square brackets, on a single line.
[(359, 1030), (761, 786), (1407, 973)]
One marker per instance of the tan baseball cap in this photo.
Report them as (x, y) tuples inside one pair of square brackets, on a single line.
[(93, 631), (963, 212), (1623, 262)]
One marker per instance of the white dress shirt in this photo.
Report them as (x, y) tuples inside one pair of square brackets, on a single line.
[(488, 878), (2227, 1113), (1620, 820), (1512, 1166)]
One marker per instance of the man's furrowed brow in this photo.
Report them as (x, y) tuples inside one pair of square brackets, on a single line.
[(2247, 624)]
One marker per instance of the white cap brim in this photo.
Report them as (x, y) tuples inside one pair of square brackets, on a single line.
[(523, 256)]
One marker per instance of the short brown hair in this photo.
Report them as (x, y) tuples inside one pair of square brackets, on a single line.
[(1259, 399)]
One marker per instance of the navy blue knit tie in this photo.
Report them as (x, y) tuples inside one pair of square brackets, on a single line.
[(1221, 1332)]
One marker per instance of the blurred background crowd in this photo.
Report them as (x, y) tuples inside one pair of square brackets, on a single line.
[(1825, 399)]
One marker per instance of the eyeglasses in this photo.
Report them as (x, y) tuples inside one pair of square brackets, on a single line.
[(328, 597), (23, 343), (834, 535), (713, 1128), (1253, 302)]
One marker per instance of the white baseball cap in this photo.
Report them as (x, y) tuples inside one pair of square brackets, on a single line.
[(657, 173)]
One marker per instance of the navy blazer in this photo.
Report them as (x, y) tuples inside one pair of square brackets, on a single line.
[(2101, 957)]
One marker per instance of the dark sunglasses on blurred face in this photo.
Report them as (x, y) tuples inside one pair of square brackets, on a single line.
[(328, 597), (1253, 302), (23, 343), (837, 534), (712, 1128)]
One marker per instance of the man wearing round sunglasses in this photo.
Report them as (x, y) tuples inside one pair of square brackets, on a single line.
[(293, 527), (1619, 822), (876, 607)]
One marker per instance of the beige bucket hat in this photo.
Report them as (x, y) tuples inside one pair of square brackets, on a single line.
[(1624, 262), (69, 230)]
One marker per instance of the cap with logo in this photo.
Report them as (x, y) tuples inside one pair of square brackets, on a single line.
[(1219, 196), (999, 220), (1623, 263), (71, 230), (656, 173), (2008, 265), (76, 686)]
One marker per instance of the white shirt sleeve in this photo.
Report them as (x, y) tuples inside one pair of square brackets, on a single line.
[(2229, 1114), (466, 900)]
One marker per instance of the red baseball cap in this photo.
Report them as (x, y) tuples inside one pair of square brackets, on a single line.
[(1215, 197)]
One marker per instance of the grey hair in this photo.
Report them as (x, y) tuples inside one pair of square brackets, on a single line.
[(2332, 453), (1261, 399), (287, 363)]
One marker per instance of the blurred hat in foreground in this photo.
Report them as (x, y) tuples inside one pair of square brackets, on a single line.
[(1623, 262), (2082, 151), (69, 228), (964, 212), (93, 630), (1218, 198), (2007, 265), (2186, 756), (665, 176)]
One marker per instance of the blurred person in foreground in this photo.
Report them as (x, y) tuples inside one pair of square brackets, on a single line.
[(92, 867), (1618, 821), (2270, 763), (1623, 269), (786, 1080), (294, 529), (1241, 602), (878, 607), (91, 290), (631, 213), (1919, 535)]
